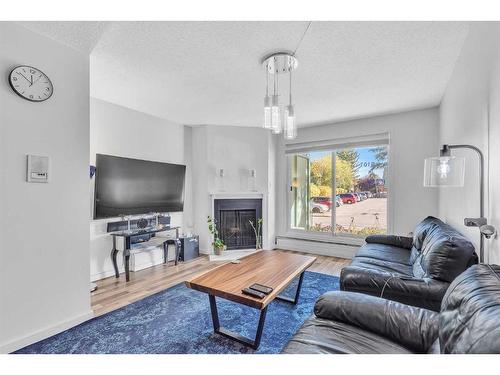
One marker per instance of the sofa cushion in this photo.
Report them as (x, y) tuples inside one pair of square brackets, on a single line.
[(426, 293), (323, 336), (398, 241), (444, 252), (470, 313), (383, 266), (420, 231), (386, 253), (413, 327)]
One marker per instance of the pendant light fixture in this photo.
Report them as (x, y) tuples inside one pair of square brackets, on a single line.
[(276, 119), (289, 117), (275, 108), (267, 105), (280, 120)]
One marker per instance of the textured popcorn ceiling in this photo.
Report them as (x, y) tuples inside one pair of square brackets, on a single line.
[(209, 72)]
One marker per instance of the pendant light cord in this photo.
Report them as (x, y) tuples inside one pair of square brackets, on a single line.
[(303, 36)]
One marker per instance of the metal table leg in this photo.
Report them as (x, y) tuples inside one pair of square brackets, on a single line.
[(127, 271), (177, 244), (235, 336), (114, 252), (165, 252), (297, 292)]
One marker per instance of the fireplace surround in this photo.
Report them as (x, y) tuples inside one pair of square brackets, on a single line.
[(233, 221)]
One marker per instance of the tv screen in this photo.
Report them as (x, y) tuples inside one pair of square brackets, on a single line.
[(127, 186)]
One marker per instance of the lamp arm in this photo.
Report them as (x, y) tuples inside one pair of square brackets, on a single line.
[(480, 222), (445, 151)]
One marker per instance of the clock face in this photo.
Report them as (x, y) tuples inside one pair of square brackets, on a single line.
[(30, 83)]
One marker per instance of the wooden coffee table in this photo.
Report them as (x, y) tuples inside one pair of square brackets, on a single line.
[(273, 268)]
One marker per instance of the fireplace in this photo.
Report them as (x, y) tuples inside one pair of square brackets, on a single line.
[(233, 218)]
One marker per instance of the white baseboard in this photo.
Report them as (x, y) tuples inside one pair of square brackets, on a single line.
[(318, 248), (19, 343), (104, 274), (138, 262)]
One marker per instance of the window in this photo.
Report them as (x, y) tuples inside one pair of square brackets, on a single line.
[(339, 192)]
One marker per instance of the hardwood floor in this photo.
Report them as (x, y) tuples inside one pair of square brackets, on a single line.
[(114, 293)]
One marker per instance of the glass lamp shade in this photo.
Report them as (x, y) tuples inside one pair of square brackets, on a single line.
[(275, 116), (444, 171), (267, 112), (290, 124)]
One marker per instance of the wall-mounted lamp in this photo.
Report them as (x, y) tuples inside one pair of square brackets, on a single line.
[(220, 177), (449, 171)]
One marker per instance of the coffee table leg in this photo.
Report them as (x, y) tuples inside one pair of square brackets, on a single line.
[(215, 314), (297, 292), (235, 336)]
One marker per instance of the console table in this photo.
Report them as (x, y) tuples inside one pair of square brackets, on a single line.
[(142, 239)]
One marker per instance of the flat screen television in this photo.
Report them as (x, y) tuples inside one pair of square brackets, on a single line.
[(127, 186)]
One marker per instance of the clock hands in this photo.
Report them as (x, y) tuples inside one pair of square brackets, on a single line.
[(24, 77), (36, 94), (36, 80)]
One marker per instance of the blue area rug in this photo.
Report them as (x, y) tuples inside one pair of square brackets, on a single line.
[(178, 320)]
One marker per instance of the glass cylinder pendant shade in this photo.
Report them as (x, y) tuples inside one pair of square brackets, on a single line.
[(444, 171), (290, 124), (267, 112), (275, 115)]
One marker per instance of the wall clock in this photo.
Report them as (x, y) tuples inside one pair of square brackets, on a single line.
[(30, 83)]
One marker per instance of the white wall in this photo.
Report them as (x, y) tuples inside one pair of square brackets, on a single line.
[(413, 137), (44, 228), (470, 114), (236, 150), (120, 131)]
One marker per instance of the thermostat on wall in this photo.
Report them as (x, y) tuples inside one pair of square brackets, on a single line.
[(38, 169)]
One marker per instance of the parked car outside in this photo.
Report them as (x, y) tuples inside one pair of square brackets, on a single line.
[(357, 196), (348, 198), (368, 194), (363, 196), (318, 208), (327, 201)]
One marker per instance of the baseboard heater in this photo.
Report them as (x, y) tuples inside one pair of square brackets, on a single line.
[(317, 246), (316, 240)]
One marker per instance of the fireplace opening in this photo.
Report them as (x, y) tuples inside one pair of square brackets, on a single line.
[(233, 218)]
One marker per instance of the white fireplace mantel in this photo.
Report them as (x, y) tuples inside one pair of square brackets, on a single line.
[(237, 195)]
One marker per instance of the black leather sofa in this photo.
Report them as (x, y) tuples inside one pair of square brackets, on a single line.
[(346, 322), (416, 271)]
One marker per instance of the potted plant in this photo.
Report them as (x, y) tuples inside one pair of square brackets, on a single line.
[(257, 229), (217, 243)]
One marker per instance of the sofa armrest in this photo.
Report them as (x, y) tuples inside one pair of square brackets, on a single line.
[(410, 326), (399, 241)]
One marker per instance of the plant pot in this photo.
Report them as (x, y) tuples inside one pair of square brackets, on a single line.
[(219, 250)]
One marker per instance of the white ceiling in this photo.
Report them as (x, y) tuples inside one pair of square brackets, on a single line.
[(209, 72)]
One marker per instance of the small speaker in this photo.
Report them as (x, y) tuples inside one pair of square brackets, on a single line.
[(142, 223)]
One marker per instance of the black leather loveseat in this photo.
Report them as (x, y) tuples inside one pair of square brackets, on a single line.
[(416, 271), (347, 322)]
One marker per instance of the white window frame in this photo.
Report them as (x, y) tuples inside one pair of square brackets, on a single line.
[(333, 146)]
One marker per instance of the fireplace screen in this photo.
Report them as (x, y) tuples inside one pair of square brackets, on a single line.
[(236, 231), (233, 221)]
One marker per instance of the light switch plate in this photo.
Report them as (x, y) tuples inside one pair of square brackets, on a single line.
[(37, 169)]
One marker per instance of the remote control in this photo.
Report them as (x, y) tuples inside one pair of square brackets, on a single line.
[(253, 293), (261, 288)]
